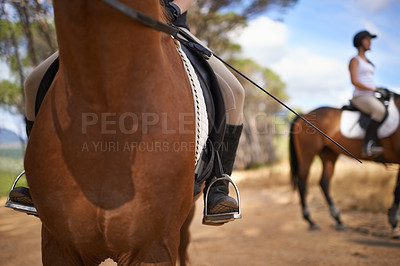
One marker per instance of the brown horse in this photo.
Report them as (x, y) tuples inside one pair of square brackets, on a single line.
[(108, 161), (306, 143)]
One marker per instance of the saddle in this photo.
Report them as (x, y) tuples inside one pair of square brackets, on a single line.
[(353, 122)]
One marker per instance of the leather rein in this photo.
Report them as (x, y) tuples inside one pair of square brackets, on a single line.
[(159, 26)]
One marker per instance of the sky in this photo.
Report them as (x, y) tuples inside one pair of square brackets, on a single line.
[(310, 45)]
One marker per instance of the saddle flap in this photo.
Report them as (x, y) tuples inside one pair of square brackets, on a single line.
[(351, 122), (211, 91)]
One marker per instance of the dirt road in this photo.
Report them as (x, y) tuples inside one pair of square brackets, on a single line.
[(271, 232)]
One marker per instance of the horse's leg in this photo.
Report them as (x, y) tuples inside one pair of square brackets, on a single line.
[(394, 210), (328, 163), (306, 213), (301, 157), (304, 168), (55, 254), (185, 239)]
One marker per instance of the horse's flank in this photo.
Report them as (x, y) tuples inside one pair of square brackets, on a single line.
[(108, 162)]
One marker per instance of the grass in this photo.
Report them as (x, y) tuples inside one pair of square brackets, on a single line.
[(6, 181), (367, 187), (15, 154), (364, 187), (11, 165)]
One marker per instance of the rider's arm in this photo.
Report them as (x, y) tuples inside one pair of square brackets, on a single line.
[(354, 77), (177, 7), (183, 4)]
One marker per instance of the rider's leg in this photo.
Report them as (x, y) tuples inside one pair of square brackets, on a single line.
[(371, 143), (369, 104), (21, 194), (32, 83), (233, 93)]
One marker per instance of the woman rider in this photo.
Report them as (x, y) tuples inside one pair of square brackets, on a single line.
[(361, 74)]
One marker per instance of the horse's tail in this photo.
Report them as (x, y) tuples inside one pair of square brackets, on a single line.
[(294, 163)]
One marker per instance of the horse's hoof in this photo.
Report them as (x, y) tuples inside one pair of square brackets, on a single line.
[(341, 228), (314, 227), (396, 233)]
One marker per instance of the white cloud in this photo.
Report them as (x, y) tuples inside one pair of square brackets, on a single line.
[(310, 76), (264, 40), (317, 79), (310, 71), (370, 26), (371, 5)]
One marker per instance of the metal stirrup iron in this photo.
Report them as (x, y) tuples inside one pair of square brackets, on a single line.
[(223, 217), (20, 207)]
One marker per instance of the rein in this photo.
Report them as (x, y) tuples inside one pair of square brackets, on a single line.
[(174, 31)]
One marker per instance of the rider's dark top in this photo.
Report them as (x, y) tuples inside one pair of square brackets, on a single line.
[(181, 20)]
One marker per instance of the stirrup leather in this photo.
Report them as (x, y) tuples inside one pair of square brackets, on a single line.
[(373, 149), (221, 217), (17, 206)]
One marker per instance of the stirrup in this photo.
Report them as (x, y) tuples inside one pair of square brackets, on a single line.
[(372, 149), (31, 210), (221, 218)]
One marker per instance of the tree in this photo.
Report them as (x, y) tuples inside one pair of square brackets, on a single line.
[(10, 94), (260, 119), (209, 18), (27, 36)]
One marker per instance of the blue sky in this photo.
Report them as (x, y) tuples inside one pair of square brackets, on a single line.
[(310, 45)]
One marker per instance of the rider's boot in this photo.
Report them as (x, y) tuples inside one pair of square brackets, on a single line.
[(371, 143), (21, 195), (219, 201), (29, 125)]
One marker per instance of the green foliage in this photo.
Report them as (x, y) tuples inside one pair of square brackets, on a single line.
[(256, 99), (27, 36), (206, 26), (257, 6), (10, 94), (263, 127), (11, 164), (211, 21), (7, 179), (214, 22), (15, 155)]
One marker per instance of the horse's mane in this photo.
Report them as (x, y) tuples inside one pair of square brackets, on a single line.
[(165, 14)]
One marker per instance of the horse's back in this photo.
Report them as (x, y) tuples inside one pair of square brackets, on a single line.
[(326, 119)]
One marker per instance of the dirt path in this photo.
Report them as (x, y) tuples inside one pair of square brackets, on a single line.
[(271, 232)]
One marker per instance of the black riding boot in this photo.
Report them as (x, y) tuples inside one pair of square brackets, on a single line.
[(218, 199), (29, 125), (371, 143), (21, 195)]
